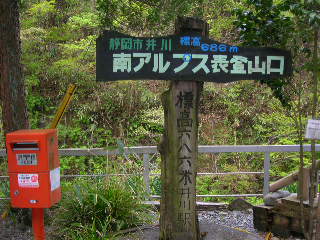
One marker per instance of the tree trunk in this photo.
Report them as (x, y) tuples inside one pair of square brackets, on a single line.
[(179, 151), (12, 92), (315, 214)]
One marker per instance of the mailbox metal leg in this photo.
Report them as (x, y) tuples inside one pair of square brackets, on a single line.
[(38, 223)]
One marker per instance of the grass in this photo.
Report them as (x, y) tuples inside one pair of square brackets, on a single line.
[(97, 209)]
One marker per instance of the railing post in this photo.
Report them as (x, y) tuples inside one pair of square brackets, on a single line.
[(266, 176), (146, 172)]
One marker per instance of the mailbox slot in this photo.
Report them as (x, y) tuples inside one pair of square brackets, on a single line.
[(25, 146)]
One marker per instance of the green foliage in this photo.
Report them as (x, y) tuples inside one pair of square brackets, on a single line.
[(4, 193), (17, 215), (220, 18), (97, 209), (308, 10), (157, 18), (155, 185), (137, 15), (85, 22), (284, 24), (267, 24), (43, 12), (207, 185), (255, 200), (292, 188)]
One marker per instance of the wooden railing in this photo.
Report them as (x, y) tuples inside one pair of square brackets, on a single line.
[(148, 152)]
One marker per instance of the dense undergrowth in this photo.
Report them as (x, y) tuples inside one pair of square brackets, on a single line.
[(58, 43), (99, 209)]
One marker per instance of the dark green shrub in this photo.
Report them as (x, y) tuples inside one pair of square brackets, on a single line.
[(96, 209)]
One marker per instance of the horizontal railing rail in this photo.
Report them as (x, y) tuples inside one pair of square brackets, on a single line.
[(201, 149), (146, 151)]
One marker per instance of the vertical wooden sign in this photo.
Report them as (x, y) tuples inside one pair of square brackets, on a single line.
[(178, 149)]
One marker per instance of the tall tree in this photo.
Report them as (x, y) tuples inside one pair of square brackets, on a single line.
[(271, 25), (12, 91)]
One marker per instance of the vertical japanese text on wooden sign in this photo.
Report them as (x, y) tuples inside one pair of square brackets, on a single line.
[(186, 169)]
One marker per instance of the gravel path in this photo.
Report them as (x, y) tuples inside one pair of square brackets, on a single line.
[(236, 219), (11, 231)]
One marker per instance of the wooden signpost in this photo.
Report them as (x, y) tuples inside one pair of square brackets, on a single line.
[(188, 58)]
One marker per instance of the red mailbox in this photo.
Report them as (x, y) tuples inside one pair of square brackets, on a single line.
[(34, 168)]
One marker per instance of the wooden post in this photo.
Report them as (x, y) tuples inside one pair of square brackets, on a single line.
[(179, 150), (304, 184)]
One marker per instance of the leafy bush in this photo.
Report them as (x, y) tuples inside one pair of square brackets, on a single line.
[(96, 209), (21, 215), (229, 184), (292, 188), (4, 193), (155, 185)]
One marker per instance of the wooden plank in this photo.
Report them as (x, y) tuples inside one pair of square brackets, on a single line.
[(262, 211), (280, 226), (289, 211), (284, 182), (294, 201), (295, 225), (201, 206), (210, 206), (261, 224), (262, 217)]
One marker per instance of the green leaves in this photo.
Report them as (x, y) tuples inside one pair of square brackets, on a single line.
[(263, 24), (144, 17), (272, 24), (308, 12), (313, 2), (313, 18)]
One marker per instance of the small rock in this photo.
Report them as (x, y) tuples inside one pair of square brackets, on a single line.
[(271, 198), (284, 194), (239, 205)]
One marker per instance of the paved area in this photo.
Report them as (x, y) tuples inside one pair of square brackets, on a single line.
[(209, 230)]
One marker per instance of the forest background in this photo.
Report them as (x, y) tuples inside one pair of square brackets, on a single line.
[(58, 48)]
